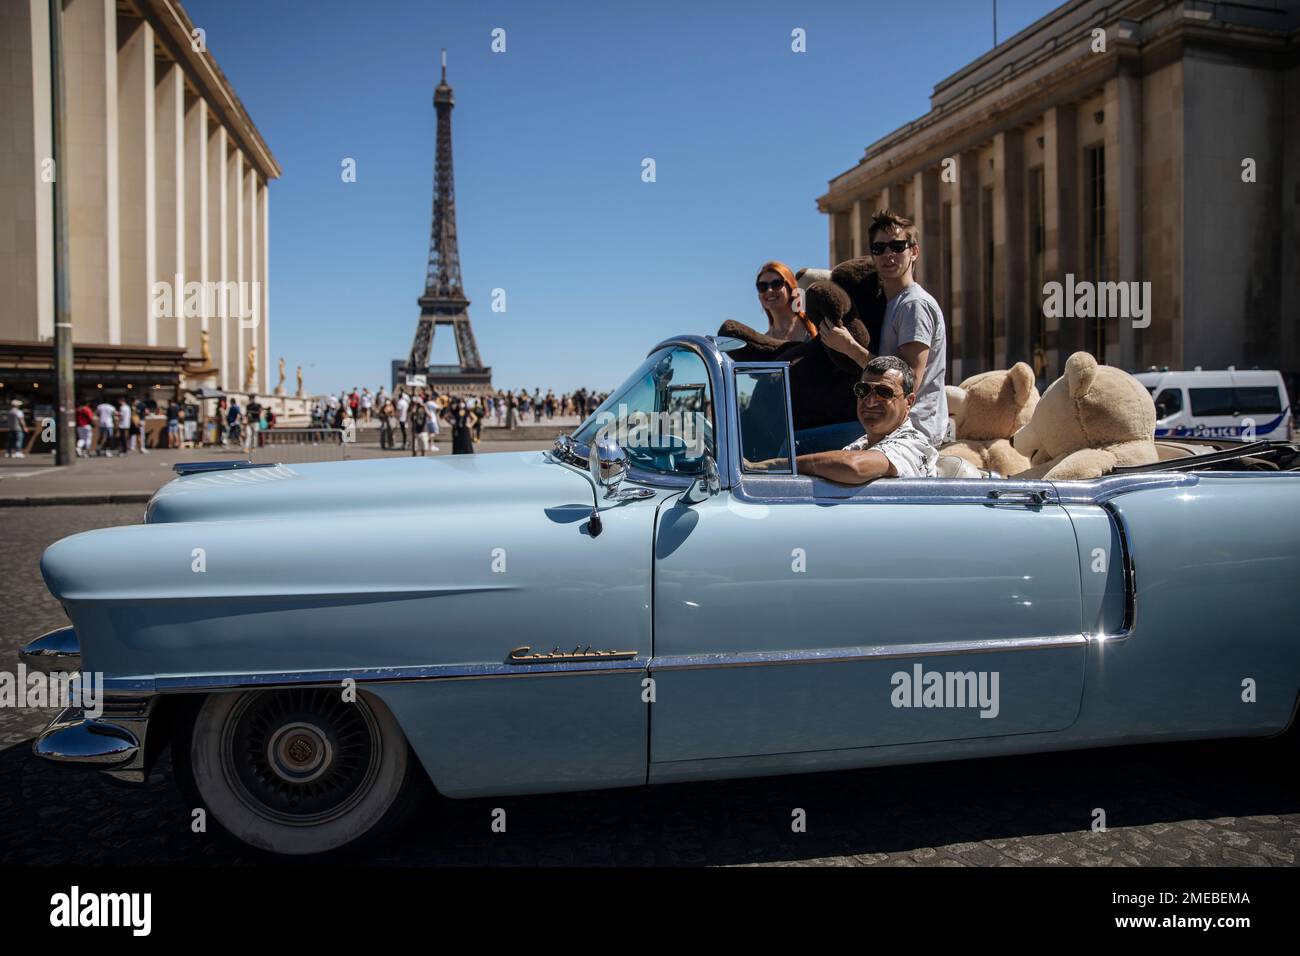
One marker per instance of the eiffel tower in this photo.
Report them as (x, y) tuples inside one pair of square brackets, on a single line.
[(444, 302)]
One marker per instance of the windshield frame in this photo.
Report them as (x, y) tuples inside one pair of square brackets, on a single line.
[(718, 366)]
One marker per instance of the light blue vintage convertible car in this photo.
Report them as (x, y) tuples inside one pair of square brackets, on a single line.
[(319, 643)]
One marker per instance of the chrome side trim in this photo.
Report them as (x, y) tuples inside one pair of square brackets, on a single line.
[(774, 489), (641, 664), (56, 650), (1098, 491), (879, 652), (1129, 623), (369, 675)]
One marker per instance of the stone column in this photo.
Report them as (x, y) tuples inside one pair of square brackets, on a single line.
[(196, 218), (252, 323), (136, 183), (1061, 225), (91, 169), (866, 209), (966, 264), (235, 261), (896, 200), (1009, 236), (169, 120), (1124, 171), (264, 267), (925, 192), (841, 238), (218, 229), (857, 228), (26, 173), (1289, 228)]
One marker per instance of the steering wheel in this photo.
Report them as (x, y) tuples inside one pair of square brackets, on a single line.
[(662, 457)]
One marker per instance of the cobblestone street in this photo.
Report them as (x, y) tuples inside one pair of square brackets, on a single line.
[(1222, 803)]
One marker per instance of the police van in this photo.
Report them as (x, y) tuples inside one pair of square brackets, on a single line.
[(1243, 405)]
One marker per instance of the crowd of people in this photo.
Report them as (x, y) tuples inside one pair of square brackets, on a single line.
[(413, 418), (241, 426), (109, 426), (406, 419)]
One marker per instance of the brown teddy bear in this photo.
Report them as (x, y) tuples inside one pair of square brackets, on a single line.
[(988, 409), (1091, 420)]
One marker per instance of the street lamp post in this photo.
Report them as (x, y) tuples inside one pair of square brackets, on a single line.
[(64, 400)]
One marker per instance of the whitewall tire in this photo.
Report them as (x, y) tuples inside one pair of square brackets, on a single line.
[(299, 772)]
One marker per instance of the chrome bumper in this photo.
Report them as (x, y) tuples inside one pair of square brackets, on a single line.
[(74, 740), (114, 741), (56, 650)]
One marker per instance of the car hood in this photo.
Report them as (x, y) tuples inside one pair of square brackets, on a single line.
[(383, 484)]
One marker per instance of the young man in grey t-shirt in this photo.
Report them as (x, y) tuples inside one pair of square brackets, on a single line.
[(913, 328)]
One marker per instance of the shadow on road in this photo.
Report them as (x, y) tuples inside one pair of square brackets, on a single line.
[(1035, 809)]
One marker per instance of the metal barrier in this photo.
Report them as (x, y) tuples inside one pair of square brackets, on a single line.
[(299, 445)]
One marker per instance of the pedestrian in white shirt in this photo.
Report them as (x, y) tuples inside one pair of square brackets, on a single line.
[(106, 414), (403, 404), (123, 426), (17, 429)]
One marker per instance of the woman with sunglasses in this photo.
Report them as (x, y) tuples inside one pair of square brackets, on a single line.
[(778, 296)]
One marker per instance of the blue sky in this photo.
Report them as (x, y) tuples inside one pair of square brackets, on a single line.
[(549, 138)]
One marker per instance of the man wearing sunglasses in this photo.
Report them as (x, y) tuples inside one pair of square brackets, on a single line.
[(893, 447), (913, 328)]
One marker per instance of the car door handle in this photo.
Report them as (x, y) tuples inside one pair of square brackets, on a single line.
[(1022, 497)]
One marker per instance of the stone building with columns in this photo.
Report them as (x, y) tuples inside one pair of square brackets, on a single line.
[(167, 201), (1147, 141)]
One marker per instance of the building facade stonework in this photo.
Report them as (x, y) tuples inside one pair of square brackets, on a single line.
[(1148, 141), (167, 198)]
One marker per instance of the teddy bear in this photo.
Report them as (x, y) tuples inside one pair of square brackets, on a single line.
[(1091, 420), (987, 410), (821, 379)]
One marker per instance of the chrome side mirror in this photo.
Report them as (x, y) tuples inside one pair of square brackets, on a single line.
[(706, 485), (608, 463)]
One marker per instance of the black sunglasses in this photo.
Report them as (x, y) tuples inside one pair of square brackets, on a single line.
[(769, 286), (894, 245), (878, 389)]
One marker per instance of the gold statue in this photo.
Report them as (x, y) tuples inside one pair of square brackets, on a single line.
[(206, 346), (1040, 362), (299, 393), (279, 387), (250, 371)]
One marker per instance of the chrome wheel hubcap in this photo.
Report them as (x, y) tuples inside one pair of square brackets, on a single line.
[(299, 753), (300, 757)]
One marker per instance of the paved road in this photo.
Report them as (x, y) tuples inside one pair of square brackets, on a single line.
[(1225, 803)]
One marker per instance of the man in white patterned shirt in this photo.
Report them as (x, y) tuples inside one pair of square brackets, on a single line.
[(892, 447)]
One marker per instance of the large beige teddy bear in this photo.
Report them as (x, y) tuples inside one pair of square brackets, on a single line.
[(1091, 420), (988, 409)]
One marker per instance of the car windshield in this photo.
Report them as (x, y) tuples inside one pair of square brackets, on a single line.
[(662, 415)]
